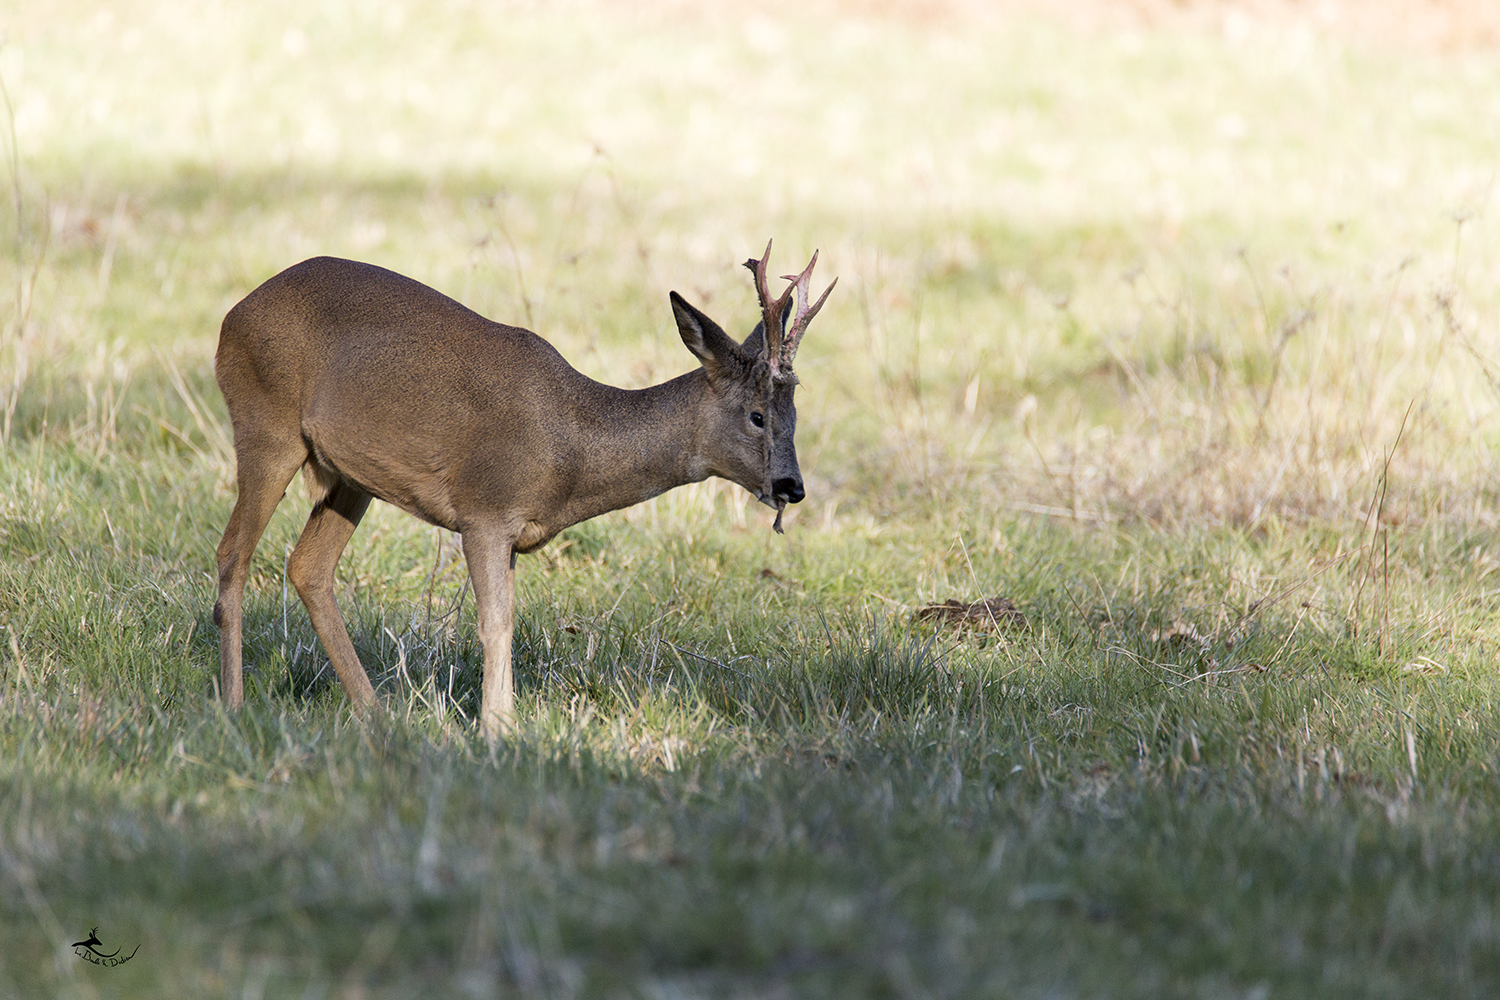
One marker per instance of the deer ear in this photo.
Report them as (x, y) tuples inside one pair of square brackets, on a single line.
[(705, 338), (755, 344)]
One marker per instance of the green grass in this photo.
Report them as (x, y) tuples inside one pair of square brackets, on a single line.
[(1182, 341)]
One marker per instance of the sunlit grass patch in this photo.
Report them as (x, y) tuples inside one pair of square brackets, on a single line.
[(1179, 338)]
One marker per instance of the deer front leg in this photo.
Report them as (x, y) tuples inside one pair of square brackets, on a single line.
[(492, 568)]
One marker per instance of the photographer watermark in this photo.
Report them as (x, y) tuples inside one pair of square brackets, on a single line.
[(89, 951)]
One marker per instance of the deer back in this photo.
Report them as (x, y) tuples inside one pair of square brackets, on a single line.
[(424, 403)]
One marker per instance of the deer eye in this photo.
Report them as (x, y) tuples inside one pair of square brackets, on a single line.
[(758, 419)]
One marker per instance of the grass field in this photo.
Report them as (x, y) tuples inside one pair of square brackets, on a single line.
[(1180, 332)]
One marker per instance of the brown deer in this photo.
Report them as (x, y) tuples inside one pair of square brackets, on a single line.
[(378, 386)]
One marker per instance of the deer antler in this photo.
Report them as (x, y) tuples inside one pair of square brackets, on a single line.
[(781, 344), (804, 314), (773, 313)]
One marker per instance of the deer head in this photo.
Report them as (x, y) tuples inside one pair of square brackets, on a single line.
[(755, 416)]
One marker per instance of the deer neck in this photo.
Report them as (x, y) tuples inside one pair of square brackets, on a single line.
[(634, 444)]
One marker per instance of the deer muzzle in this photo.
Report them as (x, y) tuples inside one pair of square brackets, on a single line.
[(788, 490)]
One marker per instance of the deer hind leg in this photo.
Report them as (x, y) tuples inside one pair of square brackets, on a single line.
[(264, 467), (492, 568), (310, 568)]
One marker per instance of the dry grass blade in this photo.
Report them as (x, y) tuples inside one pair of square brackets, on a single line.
[(219, 451)]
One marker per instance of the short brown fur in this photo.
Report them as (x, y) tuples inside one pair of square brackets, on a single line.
[(382, 387)]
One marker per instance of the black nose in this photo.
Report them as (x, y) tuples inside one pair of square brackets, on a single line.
[(788, 489)]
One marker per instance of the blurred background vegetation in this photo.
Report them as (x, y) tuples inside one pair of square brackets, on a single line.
[(1151, 261)]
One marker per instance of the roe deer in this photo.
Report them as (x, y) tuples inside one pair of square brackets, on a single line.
[(378, 386)]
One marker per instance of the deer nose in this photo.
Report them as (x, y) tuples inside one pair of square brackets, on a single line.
[(788, 489)]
